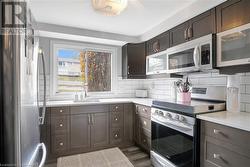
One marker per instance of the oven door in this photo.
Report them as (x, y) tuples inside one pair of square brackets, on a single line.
[(173, 145)]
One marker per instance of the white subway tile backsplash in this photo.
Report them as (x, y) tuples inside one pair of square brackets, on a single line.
[(242, 88), (242, 107), (248, 89), (245, 98), (247, 108), (245, 79)]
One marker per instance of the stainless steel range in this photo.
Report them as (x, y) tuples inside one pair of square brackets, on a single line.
[(175, 129)]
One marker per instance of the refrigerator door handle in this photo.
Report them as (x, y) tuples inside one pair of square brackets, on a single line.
[(42, 117), (35, 155), (44, 155)]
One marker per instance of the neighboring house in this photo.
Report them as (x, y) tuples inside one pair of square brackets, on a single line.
[(68, 67)]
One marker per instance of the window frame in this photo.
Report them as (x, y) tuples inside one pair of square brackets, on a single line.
[(55, 45)]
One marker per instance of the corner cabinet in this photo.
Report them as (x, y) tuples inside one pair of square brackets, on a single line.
[(134, 61), (196, 27), (232, 13)]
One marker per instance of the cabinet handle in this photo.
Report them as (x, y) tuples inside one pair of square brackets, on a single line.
[(144, 109), (116, 107), (61, 125), (89, 119), (144, 140), (185, 34), (116, 135), (217, 156), (128, 70), (92, 119), (61, 144), (217, 131), (190, 32), (116, 119), (145, 123), (136, 110), (61, 111)]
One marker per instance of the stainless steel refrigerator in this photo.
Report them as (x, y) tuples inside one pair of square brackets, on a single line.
[(20, 115)]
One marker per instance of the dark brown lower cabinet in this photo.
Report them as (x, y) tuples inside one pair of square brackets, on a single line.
[(99, 130), (223, 146), (142, 126), (79, 129), (79, 132)]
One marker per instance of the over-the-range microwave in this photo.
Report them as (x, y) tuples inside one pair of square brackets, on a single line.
[(192, 56), (233, 46)]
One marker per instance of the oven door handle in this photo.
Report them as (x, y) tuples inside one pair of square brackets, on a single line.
[(183, 129)]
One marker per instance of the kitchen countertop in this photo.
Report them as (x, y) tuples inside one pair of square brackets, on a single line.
[(141, 101), (239, 120)]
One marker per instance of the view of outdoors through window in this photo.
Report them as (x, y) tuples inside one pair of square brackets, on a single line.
[(76, 68)]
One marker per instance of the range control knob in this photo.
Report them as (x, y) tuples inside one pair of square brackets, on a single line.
[(156, 111), (182, 119), (161, 113), (176, 117), (168, 115)]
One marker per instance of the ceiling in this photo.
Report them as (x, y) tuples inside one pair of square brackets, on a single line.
[(139, 17)]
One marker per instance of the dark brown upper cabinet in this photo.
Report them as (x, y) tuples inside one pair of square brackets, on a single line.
[(178, 34), (158, 43), (232, 13), (134, 61), (202, 25), (196, 27)]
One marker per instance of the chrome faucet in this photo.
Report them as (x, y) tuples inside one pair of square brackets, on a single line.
[(85, 90)]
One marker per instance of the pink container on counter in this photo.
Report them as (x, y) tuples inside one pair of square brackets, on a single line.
[(184, 96)]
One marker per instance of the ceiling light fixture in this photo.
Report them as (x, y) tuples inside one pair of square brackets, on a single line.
[(110, 7)]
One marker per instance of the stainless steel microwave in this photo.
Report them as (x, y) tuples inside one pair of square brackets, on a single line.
[(195, 55), (233, 46)]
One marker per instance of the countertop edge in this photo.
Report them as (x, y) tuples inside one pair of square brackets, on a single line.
[(145, 102), (232, 124)]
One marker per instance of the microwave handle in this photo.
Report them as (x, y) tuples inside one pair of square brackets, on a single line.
[(196, 57)]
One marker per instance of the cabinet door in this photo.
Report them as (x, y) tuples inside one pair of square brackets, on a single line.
[(134, 61), (80, 132), (158, 44), (128, 122), (202, 25), (178, 34), (100, 130), (136, 126), (232, 13), (125, 61)]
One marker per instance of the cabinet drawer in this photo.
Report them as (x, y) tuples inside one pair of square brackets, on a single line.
[(143, 111), (59, 144), (116, 107), (116, 135), (145, 123), (218, 155), (59, 124), (227, 134), (57, 111), (145, 141), (117, 119)]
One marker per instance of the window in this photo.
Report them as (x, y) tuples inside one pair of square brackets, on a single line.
[(76, 68)]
